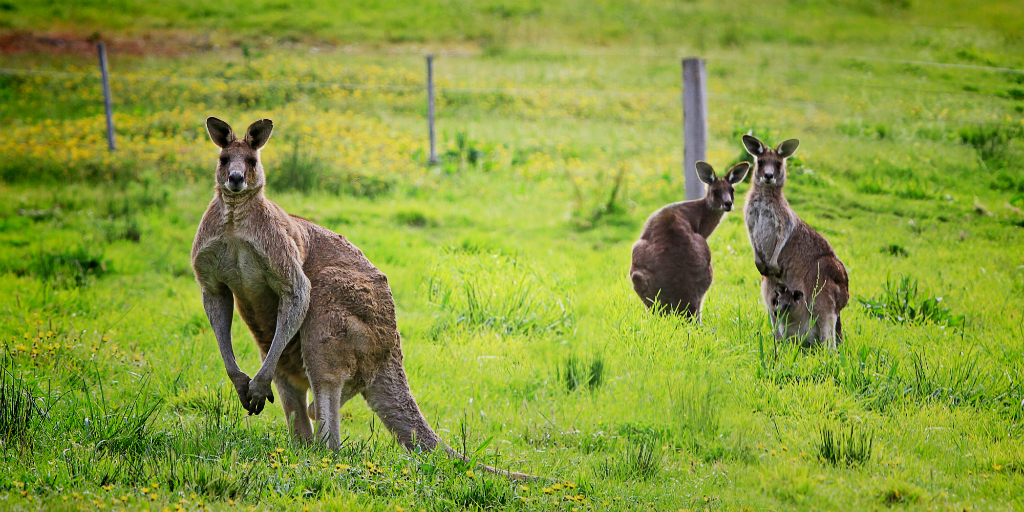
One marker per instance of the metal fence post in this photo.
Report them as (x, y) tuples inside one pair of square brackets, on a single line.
[(430, 109), (695, 123), (106, 94)]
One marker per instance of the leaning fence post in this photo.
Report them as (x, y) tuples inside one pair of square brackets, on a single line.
[(106, 94), (430, 109), (695, 123)]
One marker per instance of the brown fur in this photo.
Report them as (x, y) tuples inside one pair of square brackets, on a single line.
[(791, 317), (671, 262), (787, 250), (320, 312)]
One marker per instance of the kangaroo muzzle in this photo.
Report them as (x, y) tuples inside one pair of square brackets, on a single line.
[(236, 181)]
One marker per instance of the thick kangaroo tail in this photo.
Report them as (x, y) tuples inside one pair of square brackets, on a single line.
[(390, 397)]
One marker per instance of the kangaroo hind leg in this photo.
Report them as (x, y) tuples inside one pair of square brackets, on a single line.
[(293, 401), (329, 397)]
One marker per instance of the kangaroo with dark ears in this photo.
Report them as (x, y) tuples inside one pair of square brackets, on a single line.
[(787, 250), (320, 312), (671, 260), (790, 314)]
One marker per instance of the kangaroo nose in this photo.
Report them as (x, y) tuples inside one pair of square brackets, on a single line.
[(728, 205), (769, 176), (236, 180)]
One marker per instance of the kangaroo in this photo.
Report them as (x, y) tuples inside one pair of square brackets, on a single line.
[(790, 315), (787, 250), (671, 260), (322, 315)]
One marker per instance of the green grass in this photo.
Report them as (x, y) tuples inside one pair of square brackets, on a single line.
[(525, 345)]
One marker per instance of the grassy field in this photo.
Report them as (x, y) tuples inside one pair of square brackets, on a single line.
[(559, 129)]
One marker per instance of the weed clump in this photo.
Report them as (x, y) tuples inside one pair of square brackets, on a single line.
[(895, 250), (992, 141), (851, 449), (499, 293), (17, 408), (576, 373), (73, 267), (639, 461), (898, 304)]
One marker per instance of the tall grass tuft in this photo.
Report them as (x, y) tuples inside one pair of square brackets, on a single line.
[(299, 171), (851, 449), (506, 294), (575, 373), (638, 461), (698, 413), (122, 428), (17, 408), (992, 141), (69, 267), (898, 304)]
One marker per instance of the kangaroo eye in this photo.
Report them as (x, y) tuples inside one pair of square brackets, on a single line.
[(251, 162), (224, 160)]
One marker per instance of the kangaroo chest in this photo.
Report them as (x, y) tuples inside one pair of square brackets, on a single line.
[(245, 269), (768, 224)]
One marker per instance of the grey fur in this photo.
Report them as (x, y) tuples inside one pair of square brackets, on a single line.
[(322, 315), (787, 250)]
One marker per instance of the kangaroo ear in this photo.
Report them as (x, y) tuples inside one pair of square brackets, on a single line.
[(753, 144), (220, 132), (737, 173), (705, 172), (797, 294), (259, 133), (787, 148)]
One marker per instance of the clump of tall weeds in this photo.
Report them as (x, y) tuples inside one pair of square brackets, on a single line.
[(899, 304)]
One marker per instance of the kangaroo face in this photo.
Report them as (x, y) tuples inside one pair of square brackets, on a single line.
[(239, 170), (720, 191), (785, 299), (770, 164)]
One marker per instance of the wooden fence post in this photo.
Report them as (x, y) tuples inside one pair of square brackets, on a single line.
[(106, 95), (430, 109), (695, 123)]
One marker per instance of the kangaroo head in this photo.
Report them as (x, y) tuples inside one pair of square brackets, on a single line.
[(239, 170), (770, 164), (720, 191), (785, 298)]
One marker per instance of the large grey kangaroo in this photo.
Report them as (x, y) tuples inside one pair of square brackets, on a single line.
[(788, 251), (671, 261), (321, 313)]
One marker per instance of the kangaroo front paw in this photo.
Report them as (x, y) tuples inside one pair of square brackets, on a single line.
[(241, 383), (771, 271), (258, 393)]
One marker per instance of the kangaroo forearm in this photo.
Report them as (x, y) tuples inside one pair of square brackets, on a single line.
[(774, 261), (290, 315), (219, 310)]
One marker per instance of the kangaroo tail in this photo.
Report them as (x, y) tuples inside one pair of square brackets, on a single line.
[(639, 281), (390, 397), (839, 329)]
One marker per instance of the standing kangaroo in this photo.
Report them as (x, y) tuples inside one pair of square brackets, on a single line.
[(787, 250), (671, 260), (320, 312)]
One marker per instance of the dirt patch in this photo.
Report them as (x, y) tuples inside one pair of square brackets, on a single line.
[(26, 42), (173, 44)]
